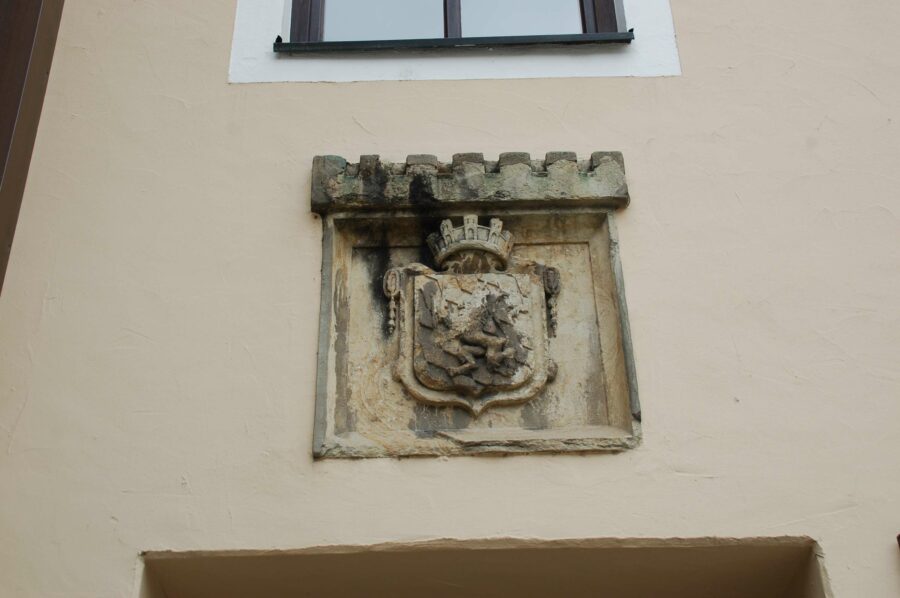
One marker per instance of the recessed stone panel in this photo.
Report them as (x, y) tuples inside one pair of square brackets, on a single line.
[(449, 331)]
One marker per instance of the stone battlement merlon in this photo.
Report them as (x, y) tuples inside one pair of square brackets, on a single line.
[(514, 180)]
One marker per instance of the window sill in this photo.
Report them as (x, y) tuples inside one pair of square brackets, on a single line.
[(459, 42)]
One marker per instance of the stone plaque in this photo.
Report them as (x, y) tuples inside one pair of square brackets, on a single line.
[(472, 307)]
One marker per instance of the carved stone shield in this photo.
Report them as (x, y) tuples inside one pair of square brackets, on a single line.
[(473, 332), (477, 335)]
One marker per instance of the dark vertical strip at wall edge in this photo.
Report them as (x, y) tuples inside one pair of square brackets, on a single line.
[(28, 31)]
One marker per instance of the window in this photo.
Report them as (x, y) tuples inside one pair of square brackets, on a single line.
[(258, 22), (324, 25)]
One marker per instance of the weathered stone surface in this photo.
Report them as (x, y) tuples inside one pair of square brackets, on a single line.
[(444, 335), (478, 348), (407, 368), (422, 183), (477, 334), (325, 174), (513, 158), (422, 160), (472, 158), (554, 157)]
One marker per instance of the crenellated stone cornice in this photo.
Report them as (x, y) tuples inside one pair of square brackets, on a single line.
[(514, 181)]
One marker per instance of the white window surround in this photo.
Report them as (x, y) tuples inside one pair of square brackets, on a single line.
[(653, 54)]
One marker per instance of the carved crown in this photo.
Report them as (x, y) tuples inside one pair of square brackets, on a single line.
[(470, 236)]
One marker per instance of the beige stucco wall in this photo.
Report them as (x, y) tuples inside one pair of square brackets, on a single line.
[(158, 323)]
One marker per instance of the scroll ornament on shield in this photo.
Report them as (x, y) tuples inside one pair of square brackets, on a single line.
[(475, 334)]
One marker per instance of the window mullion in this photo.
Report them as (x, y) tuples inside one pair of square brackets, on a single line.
[(588, 16), (452, 19), (605, 16), (307, 20), (316, 20), (300, 21)]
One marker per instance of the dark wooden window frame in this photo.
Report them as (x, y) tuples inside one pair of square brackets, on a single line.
[(600, 22)]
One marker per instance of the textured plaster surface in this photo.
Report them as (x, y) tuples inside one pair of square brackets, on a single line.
[(159, 319)]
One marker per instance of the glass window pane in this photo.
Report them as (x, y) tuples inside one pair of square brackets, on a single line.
[(496, 18), (353, 20)]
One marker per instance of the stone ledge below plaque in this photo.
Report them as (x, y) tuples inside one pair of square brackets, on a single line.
[(490, 318)]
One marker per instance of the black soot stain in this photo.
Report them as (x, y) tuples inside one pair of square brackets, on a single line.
[(378, 262)]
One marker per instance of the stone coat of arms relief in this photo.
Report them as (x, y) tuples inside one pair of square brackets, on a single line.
[(476, 334), (438, 336)]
